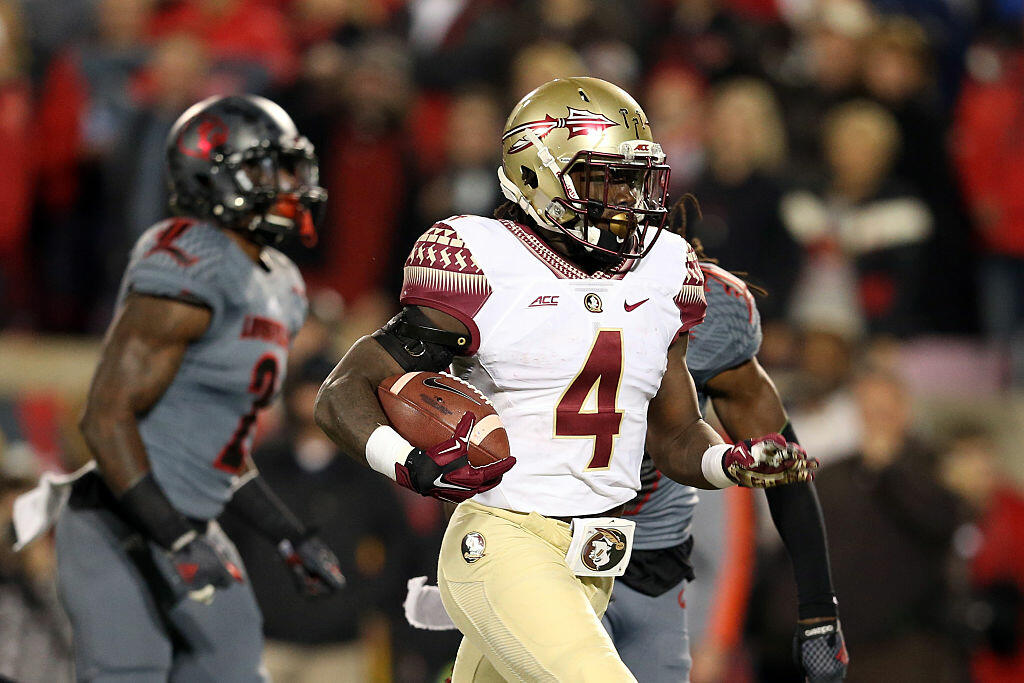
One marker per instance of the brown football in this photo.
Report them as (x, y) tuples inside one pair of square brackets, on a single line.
[(425, 408)]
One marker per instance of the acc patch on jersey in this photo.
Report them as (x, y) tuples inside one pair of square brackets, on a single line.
[(473, 545)]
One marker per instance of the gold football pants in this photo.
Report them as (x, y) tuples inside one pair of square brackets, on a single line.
[(523, 614)]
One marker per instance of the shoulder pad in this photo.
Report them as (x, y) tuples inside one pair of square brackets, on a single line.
[(690, 299), (179, 258), (731, 332), (441, 273)]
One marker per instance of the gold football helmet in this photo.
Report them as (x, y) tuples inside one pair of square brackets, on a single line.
[(578, 157)]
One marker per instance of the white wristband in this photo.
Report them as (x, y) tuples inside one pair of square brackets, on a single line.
[(711, 466), (386, 448)]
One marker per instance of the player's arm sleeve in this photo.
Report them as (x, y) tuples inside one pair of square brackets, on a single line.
[(442, 274), (797, 516), (730, 334), (175, 261)]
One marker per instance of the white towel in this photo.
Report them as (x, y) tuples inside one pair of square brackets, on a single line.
[(423, 607), (37, 510)]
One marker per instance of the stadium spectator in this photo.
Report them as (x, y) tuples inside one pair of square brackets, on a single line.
[(675, 99), (455, 42), (891, 524), (467, 184), (707, 36), (990, 543), (87, 106), (366, 172), (175, 75), (739, 194), (17, 138), (345, 21), (539, 62), (863, 229), (898, 73), (822, 71), (990, 155), (819, 388), (248, 39)]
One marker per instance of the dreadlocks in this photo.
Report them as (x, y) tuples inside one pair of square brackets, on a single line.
[(676, 222)]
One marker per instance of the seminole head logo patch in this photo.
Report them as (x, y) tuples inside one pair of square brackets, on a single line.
[(604, 549), (473, 545)]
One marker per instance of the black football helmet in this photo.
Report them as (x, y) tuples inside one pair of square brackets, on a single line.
[(240, 162)]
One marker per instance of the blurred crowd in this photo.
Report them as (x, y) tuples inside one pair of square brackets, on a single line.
[(862, 161)]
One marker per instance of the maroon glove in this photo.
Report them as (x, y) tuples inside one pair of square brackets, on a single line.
[(768, 461), (444, 471)]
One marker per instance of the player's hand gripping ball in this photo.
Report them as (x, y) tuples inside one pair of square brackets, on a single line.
[(768, 461), (455, 455), (426, 407)]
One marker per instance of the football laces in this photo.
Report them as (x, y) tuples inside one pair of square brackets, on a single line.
[(468, 386)]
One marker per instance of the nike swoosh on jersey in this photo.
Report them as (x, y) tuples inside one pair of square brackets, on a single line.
[(638, 304)]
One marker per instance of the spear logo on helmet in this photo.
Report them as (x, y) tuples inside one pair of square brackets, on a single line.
[(578, 122)]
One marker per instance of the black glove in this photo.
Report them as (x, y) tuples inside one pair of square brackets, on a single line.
[(444, 471), (201, 567), (314, 567), (820, 652)]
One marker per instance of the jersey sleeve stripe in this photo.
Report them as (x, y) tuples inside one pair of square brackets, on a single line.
[(690, 299), (442, 274)]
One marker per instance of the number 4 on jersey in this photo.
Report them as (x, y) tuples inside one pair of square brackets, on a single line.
[(579, 415)]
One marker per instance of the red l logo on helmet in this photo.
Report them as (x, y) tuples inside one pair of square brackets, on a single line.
[(212, 133)]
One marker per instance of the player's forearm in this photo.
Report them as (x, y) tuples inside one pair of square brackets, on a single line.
[(749, 406), (679, 452), (347, 408), (257, 505), (113, 437)]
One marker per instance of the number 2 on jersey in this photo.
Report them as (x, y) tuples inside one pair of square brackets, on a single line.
[(576, 414), (264, 380)]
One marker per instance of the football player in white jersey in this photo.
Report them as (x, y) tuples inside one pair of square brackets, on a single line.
[(569, 311)]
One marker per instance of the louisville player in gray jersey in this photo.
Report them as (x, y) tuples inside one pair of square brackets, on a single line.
[(644, 617), (198, 345)]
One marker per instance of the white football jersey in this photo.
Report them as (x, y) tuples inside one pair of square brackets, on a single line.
[(569, 360)]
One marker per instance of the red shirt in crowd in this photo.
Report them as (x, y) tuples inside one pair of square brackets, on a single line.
[(1000, 560), (990, 155), (252, 30)]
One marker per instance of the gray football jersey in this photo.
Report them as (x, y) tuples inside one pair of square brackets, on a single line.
[(199, 432), (729, 336)]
